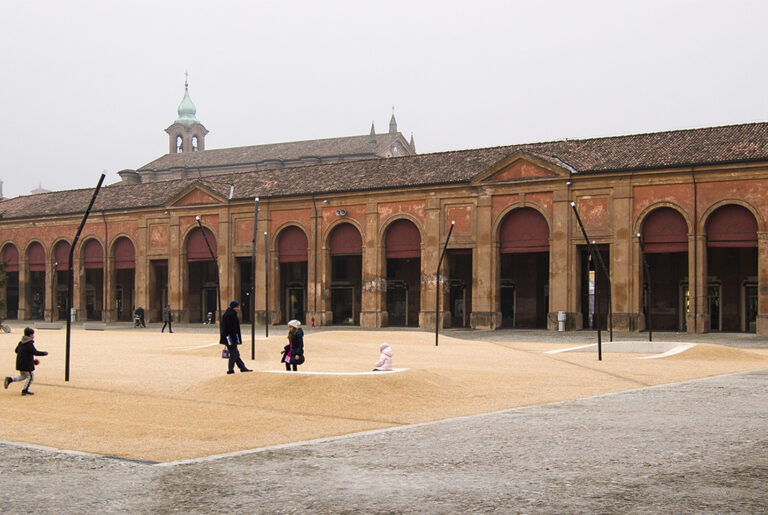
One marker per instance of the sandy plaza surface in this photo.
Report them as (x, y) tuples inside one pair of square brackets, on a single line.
[(142, 395)]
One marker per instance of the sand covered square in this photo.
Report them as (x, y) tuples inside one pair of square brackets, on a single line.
[(164, 397)]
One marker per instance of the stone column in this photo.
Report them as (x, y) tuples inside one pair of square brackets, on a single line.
[(109, 302), (560, 262), (762, 283), (226, 261), (485, 294), (177, 257), (260, 293), (141, 273), (373, 311), (430, 254), (24, 293), (623, 265), (49, 310), (698, 315)]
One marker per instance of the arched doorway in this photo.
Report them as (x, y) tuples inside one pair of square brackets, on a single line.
[(403, 254), (202, 276), (346, 250), (125, 277), (61, 280), (36, 281), (732, 269), (665, 245), (524, 269), (292, 254), (93, 264), (11, 269)]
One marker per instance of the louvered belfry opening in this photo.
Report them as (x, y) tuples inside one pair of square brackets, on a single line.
[(524, 269)]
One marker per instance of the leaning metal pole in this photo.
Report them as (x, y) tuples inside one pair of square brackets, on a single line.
[(266, 287), (437, 284), (253, 278), (647, 270), (71, 276), (592, 253), (215, 262)]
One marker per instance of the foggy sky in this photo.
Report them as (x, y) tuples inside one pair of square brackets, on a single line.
[(88, 86)]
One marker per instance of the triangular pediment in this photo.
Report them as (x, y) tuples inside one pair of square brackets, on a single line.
[(194, 195), (521, 166)]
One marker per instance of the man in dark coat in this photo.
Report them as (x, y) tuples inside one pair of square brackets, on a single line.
[(230, 336), (25, 361)]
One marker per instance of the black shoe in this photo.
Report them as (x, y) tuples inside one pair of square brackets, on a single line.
[(230, 371), (246, 370), (26, 392), (7, 381)]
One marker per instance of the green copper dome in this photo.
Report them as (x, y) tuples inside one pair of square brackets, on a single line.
[(187, 109)]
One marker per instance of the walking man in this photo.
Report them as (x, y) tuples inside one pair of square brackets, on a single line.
[(167, 318), (230, 336)]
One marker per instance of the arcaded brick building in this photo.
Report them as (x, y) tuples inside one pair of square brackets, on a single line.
[(356, 238)]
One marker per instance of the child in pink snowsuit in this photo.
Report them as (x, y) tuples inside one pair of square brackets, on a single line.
[(385, 359)]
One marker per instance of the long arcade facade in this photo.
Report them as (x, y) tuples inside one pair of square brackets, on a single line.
[(347, 254)]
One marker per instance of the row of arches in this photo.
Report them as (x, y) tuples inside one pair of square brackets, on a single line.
[(36, 280)]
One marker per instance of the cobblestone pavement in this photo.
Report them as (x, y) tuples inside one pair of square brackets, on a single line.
[(693, 447)]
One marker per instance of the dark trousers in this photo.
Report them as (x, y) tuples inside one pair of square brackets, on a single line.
[(168, 323), (288, 367), (234, 358)]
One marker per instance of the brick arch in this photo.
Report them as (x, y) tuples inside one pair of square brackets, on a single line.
[(196, 247), (664, 229), (345, 238), (731, 225), (402, 239), (292, 245), (523, 229), (61, 255), (93, 254), (124, 252), (35, 257), (10, 257)]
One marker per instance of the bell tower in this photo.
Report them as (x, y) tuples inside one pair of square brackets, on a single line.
[(186, 134)]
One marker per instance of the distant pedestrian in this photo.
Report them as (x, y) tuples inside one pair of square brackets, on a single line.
[(293, 353), (25, 361), (167, 318), (385, 359), (138, 316), (230, 336)]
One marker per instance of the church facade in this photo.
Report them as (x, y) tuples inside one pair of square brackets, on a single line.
[(666, 228)]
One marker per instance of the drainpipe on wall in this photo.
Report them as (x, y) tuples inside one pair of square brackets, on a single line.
[(695, 252)]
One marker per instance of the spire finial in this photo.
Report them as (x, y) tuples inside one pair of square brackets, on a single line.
[(393, 122), (186, 80)]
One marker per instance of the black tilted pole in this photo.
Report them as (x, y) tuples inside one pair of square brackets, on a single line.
[(647, 270), (266, 287), (437, 284), (253, 278), (215, 262), (592, 253), (71, 278)]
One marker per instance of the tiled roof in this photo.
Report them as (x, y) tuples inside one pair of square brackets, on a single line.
[(238, 156), (736, 143)]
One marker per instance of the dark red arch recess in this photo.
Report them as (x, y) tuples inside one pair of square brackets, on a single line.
[(36, 258), (732, 226), (61, 254), (11, 258), (197, 250), (524, 230), (665, 230), (125, 254), (346, 239), (403, 240), (93, 255), (292, 245)]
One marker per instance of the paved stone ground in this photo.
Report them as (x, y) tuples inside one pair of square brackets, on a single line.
[(693, 447)]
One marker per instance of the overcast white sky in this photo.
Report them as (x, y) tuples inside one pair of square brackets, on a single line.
[(87, 86)]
